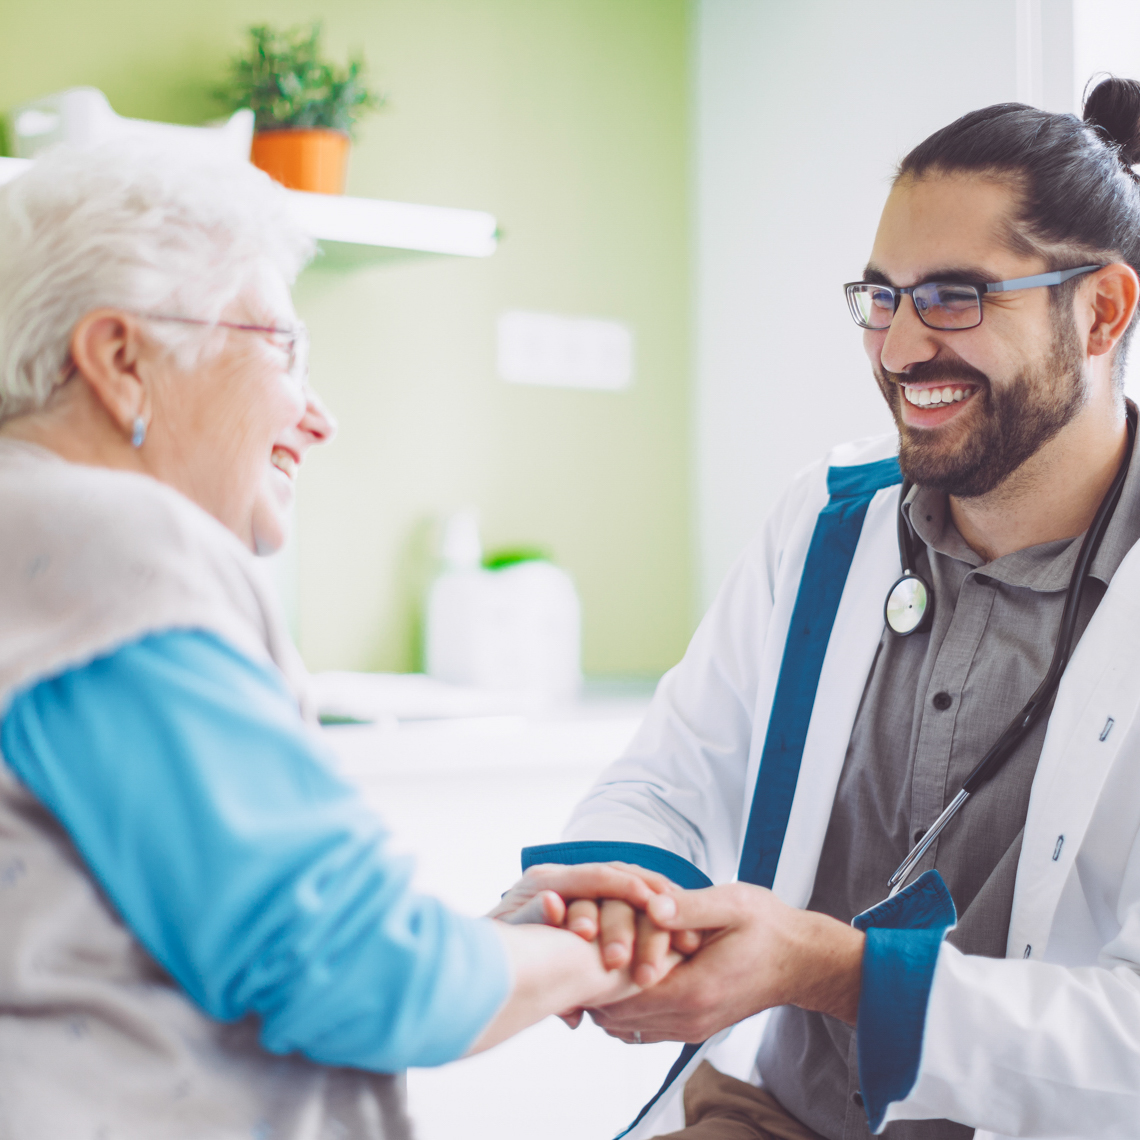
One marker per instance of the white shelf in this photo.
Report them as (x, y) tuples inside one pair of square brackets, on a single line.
[(10, 167), (363, 231), (372, 224)]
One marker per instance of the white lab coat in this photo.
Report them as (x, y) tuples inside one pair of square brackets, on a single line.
[(1045, 1043)]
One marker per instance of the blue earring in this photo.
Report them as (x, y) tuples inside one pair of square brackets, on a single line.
[(138, 432)]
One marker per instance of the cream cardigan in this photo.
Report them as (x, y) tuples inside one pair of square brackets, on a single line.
[(96, 1041)]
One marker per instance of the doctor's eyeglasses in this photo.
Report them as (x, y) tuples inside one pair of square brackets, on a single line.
[(293, 341), (941, 304)]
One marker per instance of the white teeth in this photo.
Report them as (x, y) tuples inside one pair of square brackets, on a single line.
[(284, 462), (936, 397)]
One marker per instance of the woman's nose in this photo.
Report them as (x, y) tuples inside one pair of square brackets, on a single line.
[(317, 422)]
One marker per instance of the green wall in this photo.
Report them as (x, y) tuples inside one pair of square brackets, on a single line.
[(567, 119)]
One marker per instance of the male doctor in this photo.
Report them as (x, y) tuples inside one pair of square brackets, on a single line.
[(805, 745)]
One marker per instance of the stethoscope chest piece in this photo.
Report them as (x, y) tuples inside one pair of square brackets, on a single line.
[(909, 605)]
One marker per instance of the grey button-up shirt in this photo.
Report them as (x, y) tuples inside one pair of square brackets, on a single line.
[(934, 703)]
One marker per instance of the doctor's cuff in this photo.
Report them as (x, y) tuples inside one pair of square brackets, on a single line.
[(904, 935), (672, 866)]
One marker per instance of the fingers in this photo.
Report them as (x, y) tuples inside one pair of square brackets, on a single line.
[(653, 878), (652, 948), (582, 918), (545, 908), (617, 925), (598, 881), (709, 909), (553, 908), (573, 1019), (667, 1012), (687, 942), (542, 895), (629, 1036)]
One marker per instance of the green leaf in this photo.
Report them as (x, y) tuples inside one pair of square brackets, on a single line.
[(282, 78)]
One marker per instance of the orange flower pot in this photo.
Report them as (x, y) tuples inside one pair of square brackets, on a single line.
[(303, 159)]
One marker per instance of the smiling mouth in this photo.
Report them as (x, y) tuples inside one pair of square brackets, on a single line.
[(284, 461), (938, 397)]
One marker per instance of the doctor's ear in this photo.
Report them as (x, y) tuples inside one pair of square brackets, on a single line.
[(1114, 292), (106, 348)]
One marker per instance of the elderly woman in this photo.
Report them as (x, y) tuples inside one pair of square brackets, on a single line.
[(202, 933)]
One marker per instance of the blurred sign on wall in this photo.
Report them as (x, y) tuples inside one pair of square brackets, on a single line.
[(564, 352)]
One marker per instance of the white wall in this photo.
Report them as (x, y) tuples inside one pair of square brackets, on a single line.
[(1106, 38), (801, 111)]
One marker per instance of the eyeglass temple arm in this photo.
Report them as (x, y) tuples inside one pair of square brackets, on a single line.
[(1057, 277)]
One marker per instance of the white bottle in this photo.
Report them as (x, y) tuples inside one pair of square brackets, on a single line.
[(518, 627), (453, 630)]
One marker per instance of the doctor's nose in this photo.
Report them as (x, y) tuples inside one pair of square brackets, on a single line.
[(908, 341)]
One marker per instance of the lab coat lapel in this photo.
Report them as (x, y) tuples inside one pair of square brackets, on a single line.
[(846, 664), (850, 652), (1080, 749)]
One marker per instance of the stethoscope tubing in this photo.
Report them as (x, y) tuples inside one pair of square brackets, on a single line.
[(1041, 700)]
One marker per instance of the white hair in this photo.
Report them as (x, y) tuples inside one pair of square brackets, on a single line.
[(132, 226)]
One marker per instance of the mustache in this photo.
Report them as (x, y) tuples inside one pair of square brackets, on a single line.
[(931, 370)]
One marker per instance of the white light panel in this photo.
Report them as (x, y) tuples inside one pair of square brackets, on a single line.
[(565, 352)]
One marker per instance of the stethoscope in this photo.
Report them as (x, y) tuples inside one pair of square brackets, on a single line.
[(910, 607)]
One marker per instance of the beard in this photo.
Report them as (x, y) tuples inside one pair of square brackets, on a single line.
[(1010, 423)]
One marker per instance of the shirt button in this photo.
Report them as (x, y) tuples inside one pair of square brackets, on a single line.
[(942, 701), (982, 579), (857, 1097)]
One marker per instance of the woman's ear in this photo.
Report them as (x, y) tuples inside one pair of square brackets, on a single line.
[(105, 349), (1116, 291)]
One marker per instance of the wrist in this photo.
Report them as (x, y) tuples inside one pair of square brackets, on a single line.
[(551, 971), (559, 970), (830, 956)]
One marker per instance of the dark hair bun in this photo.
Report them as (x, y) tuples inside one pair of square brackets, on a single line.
[(1114, 107)]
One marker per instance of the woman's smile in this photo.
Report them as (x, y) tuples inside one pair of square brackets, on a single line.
[(285, 462)]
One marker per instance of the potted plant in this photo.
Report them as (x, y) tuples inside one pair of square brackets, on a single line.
[(304, 107)]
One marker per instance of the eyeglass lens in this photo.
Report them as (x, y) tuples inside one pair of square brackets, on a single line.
[(296, 348), (299, 356), (939, 305)]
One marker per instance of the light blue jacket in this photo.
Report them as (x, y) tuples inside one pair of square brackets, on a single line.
[(210, 816)]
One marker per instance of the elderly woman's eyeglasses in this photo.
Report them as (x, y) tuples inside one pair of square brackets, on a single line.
[(940, 304), (294, 341)]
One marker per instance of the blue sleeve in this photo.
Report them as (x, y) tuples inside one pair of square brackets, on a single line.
[(672, 866), (202, 804), (904, 935)]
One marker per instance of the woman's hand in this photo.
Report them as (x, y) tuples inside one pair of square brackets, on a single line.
[(540, 895), (629, 936), (554, 971), (603, 901)]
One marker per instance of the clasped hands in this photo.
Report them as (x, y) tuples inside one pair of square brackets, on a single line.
[(698, 961)]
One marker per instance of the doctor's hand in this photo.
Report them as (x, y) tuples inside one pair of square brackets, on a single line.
[(757, 952)]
